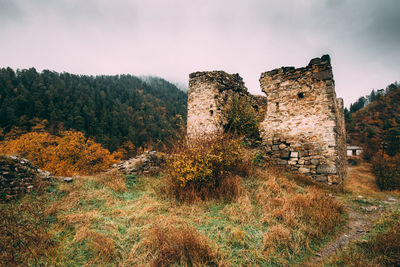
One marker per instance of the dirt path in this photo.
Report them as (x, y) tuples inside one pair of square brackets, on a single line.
[(360, 221)]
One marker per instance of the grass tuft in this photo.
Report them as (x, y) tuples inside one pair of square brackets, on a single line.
[(165, 244)]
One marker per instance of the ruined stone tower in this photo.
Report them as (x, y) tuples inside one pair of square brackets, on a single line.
[(304, 123), (207, 96), (303, 126)]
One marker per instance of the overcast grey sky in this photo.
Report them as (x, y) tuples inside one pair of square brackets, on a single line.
[(176, 37)]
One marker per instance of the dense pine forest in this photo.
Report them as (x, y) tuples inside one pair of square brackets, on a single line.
[(374, 120), (113, 110)]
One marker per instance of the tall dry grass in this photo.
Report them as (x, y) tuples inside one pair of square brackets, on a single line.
[(166, 243), (298, 216), (380, 248), (361, 181), (24, 233), (104, 247)]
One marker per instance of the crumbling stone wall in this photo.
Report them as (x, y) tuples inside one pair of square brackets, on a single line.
[(341, 140), (303, 127), (207, 97), (17, 177), (303, 122)]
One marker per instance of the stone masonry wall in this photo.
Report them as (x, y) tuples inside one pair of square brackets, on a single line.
[(303, 127), (303, 122), (17, 177), (207, 96), (341, 140)]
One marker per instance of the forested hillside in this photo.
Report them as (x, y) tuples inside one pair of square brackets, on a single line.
[(111, 109), (375, 119)]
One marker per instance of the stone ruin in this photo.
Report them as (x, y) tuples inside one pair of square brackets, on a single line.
[(17, 177), (302, 125)]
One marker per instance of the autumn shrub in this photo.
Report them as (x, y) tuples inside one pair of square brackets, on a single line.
[(68, 154), (206, 168), (167, 245), (241, 118), (387, 172), (24, 233)]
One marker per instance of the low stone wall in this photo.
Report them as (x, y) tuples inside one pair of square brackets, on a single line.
[(17, 177)]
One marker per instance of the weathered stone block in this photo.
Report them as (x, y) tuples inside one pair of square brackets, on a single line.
[(294, 154), (314, 161), (285, 154), (281, 162), (327, 169), (304, 170), (322, 178)]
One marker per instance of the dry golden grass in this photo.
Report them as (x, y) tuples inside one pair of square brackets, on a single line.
[(104, 247), (361, 181), (145, 208), (83, 218), (168, 243), (243, 210), (24, 233), (298, 216), (266, 216), (113, 179), (380, 248)]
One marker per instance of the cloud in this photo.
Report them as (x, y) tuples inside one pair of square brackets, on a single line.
[(176, 37), (9, 11)]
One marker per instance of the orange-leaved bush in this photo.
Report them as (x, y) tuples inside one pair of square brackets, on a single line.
[(68, 154)]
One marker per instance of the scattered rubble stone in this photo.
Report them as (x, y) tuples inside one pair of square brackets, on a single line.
[(147, 163), (369, 209), (68, 179)]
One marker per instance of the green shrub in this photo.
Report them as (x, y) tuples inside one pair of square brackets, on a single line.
[(241, 119), (387, 172)]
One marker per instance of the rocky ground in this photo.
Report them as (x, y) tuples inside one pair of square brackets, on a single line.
[(365, 205), (360, 221)]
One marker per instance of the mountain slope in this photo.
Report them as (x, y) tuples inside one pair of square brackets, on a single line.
[(377, 122), (111, 109)]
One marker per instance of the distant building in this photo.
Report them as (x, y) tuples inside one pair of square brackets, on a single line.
[(354, 150)]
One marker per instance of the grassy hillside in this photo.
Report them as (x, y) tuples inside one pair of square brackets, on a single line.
[(111, 219)]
